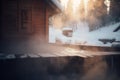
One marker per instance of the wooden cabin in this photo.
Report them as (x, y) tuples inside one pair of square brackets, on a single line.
[(26, 18)]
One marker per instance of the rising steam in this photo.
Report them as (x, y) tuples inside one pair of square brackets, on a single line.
[(86, 7), (75, 11)]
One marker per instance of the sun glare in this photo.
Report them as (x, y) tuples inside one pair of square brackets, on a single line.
[(107, 3)]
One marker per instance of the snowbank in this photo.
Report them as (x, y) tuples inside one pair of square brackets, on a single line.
[(82, 36)]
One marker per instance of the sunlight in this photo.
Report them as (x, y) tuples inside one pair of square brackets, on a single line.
[(107, 3)]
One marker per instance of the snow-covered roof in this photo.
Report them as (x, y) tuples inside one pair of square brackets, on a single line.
[(57, 3)]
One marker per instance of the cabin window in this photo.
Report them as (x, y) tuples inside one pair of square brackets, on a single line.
[(24, 18)]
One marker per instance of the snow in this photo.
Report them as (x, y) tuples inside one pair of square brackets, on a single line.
[(104, 33), (51, 35), (67, 28), (82, 36)]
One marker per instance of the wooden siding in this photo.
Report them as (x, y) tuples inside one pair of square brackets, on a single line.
[(9, 17), (24, 17)]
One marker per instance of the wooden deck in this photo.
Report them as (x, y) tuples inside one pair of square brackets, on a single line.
[(55, 51)]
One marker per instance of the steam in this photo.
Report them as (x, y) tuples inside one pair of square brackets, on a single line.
[(86, 7), (57, 21), (75, 11), (95, 69), (75, 5)]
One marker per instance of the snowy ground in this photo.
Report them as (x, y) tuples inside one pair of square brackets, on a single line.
[(82, 36)]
